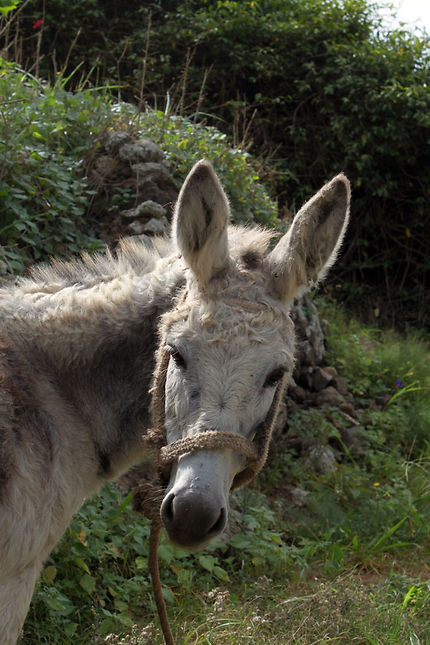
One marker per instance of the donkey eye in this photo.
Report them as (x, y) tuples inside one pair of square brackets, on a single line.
[(177, 357), (274, 377)]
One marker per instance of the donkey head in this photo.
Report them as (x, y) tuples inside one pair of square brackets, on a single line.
[(230, 337)]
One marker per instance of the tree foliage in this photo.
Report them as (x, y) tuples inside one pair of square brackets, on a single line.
[(316, 86)]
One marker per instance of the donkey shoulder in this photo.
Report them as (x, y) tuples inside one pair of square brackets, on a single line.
[(24, 426)]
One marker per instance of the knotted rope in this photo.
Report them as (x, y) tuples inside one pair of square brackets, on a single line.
[(148, 497)]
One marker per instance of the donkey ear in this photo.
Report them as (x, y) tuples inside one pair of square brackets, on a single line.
[(304, 254), (200, 222)]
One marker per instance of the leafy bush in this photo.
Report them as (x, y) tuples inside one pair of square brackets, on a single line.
[(184, 142), (97, 579), (317, 86), (43, 192), (48, 137), (98, 573)]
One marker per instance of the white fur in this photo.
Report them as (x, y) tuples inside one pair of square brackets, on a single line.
[(200, 223), (305, 254)]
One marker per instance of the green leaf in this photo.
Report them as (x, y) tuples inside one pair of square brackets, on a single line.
[(240, 541), (70, 629), (55, 604), (165, 553), (107, 626), (88, 583), (120, 604), (207, 562), (141, 562), (82, 565), (379, 543), (49, 574), (221, 573), (6, 6), (167, 595)]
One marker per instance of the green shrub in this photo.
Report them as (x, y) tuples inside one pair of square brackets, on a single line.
[(316, 86), (97, 581), (185, 142), (44, 134), (48, 136)]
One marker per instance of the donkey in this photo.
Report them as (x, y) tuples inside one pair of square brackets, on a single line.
[(77, 355)]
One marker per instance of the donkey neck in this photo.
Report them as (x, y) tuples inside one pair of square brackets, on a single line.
[(94, 347), (67, 325)]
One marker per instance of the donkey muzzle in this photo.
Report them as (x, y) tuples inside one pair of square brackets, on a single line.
[(192, 517)]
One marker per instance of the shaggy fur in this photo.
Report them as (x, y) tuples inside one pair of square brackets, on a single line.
[(77, 354)]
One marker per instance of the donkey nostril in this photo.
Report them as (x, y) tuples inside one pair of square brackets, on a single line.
[(191, 518), (167, 509), (218, 526)]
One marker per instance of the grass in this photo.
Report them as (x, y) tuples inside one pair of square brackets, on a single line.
[(353, 607), (346, 608)]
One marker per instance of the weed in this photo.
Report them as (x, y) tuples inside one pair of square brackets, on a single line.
[(389, 370)]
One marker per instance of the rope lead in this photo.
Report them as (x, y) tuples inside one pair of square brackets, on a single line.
[(148, 497), (154, 570)]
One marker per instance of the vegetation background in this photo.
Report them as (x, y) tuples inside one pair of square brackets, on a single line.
[(310, 87), (280, 95)]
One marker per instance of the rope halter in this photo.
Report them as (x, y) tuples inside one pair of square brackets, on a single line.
[(148, 497)]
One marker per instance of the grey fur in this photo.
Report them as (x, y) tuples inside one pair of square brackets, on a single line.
[(77, 353)]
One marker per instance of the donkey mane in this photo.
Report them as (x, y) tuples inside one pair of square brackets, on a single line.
[(84, 299), (132, 258)]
